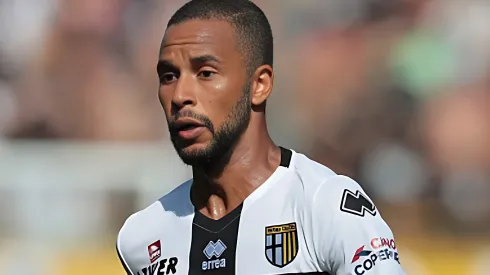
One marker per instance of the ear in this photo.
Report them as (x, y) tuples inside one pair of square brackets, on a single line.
[(263, 80)]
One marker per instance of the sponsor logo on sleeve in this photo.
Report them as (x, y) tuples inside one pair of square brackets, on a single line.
[(377, 243), (360, 252), (357, 204), (154, 251), (381, 249), (157, 264)]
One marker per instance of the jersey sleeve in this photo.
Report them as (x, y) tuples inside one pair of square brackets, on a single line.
[(122, 251), (349, 235)]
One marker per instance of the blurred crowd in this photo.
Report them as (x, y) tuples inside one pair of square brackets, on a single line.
[(395, 94)]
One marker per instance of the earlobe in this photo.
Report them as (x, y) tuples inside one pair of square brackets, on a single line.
[(263, 82)]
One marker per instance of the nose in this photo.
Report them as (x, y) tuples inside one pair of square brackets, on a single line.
[(184, 93)]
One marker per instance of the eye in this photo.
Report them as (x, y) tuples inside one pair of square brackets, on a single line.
[(206, 73), (167, 78)]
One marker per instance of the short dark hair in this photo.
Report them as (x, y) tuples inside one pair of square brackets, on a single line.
[(251, 26)]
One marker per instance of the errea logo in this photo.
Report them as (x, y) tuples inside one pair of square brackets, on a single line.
[(214, 249)]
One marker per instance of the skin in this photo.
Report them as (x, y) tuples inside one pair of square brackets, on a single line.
[(206, 81)]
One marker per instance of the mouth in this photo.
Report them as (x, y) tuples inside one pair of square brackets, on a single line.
[(188, 128), (187, 124)]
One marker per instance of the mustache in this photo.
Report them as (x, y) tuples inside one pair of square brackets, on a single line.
[(204, 120)]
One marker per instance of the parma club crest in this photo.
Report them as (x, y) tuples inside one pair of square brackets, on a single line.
[(281, 244)]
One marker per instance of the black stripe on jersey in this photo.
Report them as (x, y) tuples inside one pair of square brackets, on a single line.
[(286, 155), (213, 244)]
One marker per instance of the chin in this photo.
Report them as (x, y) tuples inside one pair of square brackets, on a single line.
[(193, 149), (195, 154)]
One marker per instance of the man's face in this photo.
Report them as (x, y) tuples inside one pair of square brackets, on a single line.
[(204, 89)]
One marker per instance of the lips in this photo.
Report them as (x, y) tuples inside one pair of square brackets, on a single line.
[(189, 129), (185, 124)]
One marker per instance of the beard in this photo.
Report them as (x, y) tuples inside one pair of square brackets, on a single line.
[(224, 138)]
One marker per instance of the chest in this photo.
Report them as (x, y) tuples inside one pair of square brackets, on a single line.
[(256, 239)]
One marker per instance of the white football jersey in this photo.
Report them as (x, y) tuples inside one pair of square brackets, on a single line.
[(304, 219)]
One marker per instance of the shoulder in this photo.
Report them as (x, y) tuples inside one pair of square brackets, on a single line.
[(310, 173), (176, 202), (329, 192), (343, 195), (133, 234), (132, 225), (147, 222), (310, 169), (341, 205)]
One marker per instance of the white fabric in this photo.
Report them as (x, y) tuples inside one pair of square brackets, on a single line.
[(305, 193)]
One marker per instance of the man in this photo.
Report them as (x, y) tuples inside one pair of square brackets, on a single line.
[(251, 207)]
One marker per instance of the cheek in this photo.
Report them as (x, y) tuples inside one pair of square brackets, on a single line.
[(218, 101), (218, 117), (165, 99)]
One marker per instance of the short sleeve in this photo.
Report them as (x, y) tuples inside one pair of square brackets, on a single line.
[(121, 253), (350, 237)]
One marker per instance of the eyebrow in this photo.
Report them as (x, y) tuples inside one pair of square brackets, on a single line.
[(165, 65), (204, 59)]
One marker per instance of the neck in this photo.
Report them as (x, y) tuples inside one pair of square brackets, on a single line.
[(251, 162)]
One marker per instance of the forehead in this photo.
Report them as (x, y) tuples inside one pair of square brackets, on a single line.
[(214, 37)]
